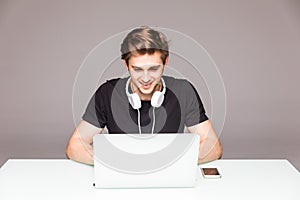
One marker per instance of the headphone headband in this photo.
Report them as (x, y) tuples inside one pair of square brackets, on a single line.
[(164, 85), (156, 100)]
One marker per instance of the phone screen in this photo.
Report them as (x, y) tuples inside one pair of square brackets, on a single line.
[(210, 171)]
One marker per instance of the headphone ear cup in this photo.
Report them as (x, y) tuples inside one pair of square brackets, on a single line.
[(134, 101), (157, 99)]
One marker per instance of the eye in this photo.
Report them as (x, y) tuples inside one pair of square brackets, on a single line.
[(137, 69), (153, 69)]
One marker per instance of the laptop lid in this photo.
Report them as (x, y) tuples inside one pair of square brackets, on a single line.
[(146, 160)]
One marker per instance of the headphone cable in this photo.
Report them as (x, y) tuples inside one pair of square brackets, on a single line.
[(139, 121), (153, 120)]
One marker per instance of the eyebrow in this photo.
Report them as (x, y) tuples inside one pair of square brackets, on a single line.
[(136, 67)]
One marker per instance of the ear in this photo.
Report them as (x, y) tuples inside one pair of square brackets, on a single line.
[(125, 64), (167, 61)]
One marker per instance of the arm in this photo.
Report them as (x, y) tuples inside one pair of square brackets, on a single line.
[(210, 147), (80, 146)]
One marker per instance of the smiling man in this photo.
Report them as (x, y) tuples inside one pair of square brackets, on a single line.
[(145, 72), (144, 102)]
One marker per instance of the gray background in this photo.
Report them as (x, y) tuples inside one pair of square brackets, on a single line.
[(255, 44)]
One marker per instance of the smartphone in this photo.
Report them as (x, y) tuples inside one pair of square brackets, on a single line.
[(210, 173)]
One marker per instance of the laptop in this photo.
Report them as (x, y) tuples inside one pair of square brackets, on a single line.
[(146, 160)]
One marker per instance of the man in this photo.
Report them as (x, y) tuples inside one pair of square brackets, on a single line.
[(145, 102)]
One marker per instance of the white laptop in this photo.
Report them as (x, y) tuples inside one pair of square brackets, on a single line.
[(146, 160)]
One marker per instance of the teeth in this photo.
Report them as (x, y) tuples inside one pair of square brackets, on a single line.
[(146, 84)]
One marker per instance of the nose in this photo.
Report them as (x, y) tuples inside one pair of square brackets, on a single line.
[(145, 77)]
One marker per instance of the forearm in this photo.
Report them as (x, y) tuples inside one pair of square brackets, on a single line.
[(81, 152), (209, 150)]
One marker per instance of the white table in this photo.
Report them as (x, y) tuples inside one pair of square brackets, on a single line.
[(66, 179)]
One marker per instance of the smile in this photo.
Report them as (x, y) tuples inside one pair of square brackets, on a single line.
[(146, 86)]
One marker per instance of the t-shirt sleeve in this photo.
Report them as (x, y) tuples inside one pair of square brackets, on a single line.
[(195, 112), (95, 111)]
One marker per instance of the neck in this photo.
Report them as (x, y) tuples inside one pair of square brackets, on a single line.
[(145, 97)]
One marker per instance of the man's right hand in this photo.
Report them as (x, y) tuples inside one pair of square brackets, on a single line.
[(80, 146)]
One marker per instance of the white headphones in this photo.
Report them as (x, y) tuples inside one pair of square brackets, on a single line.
[(135, 102), (156, 100)]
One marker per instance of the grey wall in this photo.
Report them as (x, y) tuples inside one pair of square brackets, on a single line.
[(255, 44)]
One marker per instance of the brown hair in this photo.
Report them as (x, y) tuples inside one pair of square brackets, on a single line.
[(144, 40)]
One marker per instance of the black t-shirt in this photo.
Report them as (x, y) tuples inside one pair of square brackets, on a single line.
[(110, 107)]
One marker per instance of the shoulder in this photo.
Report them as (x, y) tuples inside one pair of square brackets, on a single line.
[(177, 84), (110, 85)]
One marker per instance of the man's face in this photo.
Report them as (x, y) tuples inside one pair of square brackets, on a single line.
[(146, 72)]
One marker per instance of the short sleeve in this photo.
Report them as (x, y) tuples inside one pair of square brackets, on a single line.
[(95, 111), (195, 112)]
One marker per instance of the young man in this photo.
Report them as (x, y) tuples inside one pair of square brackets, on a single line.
[(145, 102)]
